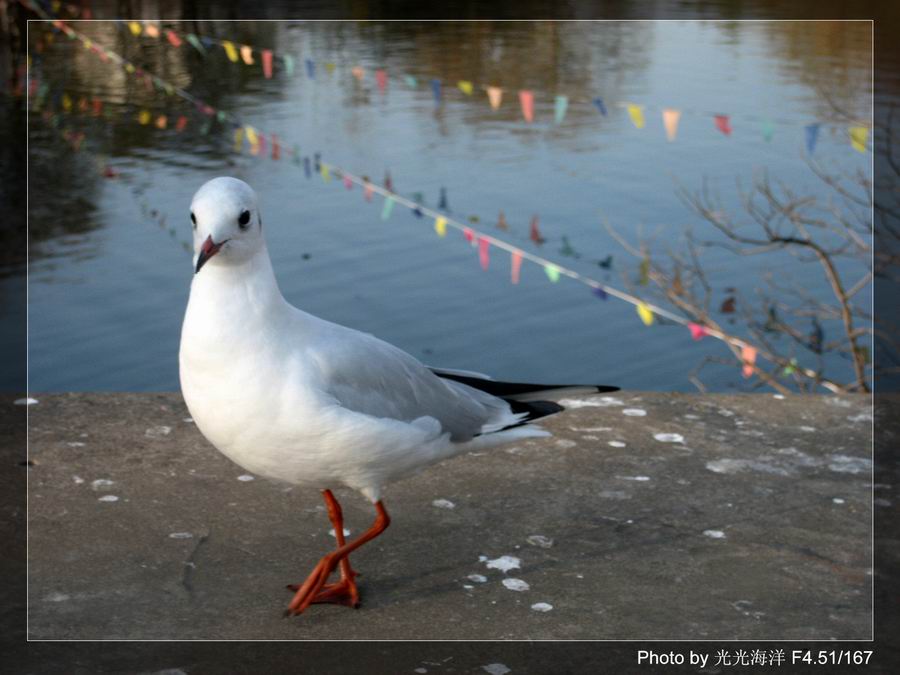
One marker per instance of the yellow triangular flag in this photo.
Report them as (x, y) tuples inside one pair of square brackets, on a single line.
[(247, 54), (129, 68), (230, 51), (670, 120), (858, 138), (144, 117), (495, 95), (329, 67), (637, 114), (252, 139), (66, 102), (134, 27), (465, 87), (239, 139), (645, 313), (440, 226), (325, 171)]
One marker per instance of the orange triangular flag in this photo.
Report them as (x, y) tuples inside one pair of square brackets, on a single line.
[(748, 357), (670, 120), (247, 54), (358, 72), (526, 98), (516, 266)]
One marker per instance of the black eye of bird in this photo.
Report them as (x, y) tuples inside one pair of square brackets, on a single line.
[(244, 219), (194, 220)]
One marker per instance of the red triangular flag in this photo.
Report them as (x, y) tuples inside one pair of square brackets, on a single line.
[(535, 235), (181, 123), (697, 331), (276, 148), (267, 63), (174, 40), (381, 79), (723, 124)]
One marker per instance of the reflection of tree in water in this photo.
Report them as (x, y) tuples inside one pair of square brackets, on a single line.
[(575, 59), (832, 58)]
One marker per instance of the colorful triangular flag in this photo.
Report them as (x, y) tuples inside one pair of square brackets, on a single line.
[(812, 135), (670, 121), (858, 137), (526, 100), (636, 112), (495, 96), (723, 124), (560, 105), (645, 313)]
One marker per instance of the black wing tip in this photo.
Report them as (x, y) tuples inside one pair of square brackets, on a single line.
[(606, 388)]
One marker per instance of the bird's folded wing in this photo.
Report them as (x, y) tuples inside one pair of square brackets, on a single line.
[(368, 375)]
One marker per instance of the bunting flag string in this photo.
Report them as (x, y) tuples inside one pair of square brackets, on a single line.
[(670, 116), (483, 241)]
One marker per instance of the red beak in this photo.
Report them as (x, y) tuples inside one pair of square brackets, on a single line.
[(207, 251)]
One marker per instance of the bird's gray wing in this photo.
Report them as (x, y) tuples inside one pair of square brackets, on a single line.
[(368, 375)]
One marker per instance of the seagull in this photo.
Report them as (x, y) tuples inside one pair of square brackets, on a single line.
[(300, 400)]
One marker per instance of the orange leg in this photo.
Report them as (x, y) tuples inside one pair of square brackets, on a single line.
[(344, 591)]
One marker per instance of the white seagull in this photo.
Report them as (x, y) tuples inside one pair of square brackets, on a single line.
[(298, 399)]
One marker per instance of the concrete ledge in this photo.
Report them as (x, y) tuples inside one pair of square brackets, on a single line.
[(755, 525)]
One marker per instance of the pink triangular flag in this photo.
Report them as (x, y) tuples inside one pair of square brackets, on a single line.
[(469, 235), (348, 183), (516, 265), (483, 252), (381, 79), (495, 95), (723, 124), (697, 331), (670, 120), (267, 63), (748, 356), (526, 98)]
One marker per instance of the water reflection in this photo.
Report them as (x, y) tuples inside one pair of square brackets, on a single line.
[(488, 159)]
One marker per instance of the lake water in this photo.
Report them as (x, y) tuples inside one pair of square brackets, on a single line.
[(108, 281)]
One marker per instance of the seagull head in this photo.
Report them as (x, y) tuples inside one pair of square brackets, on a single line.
[(226, 222)]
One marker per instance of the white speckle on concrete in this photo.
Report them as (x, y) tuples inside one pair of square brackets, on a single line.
[(108, 498), (160, 431), (838, 500), (669, 438), (76, 444), (539, 540), (482, 558), (640, 479), (617, 444), (516, 584), (57, 597), (807, 429), (565, 443), (245, 478), (420, 670), (170, 671), (862, 417), (443, 504), (714, 534), (845, 464), (25, 401), (468, 587), (724, 412), (78, 480), (591, 428), (613, 494), (729, 465), (596, 402), (188, 420), (881, 501), (101, 484), (346, 532), (780, 397), (477, 578), (542, 607), (496, 669), (691, 417), (590, 438), (181, 535), (504, 563), (634, 412), (837, 402)]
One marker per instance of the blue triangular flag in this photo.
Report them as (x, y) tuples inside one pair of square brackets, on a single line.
[(311, 69), (436, 90), (307, 169), (812, 135), (599, 103), (600, 293)]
